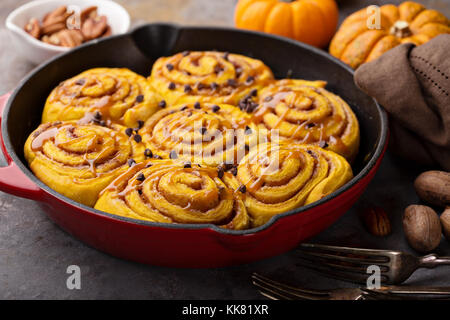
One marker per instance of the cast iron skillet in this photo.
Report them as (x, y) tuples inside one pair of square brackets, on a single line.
[(188, 245)]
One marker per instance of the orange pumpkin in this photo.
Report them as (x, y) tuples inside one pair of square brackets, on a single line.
[(356, 43), (310, 21)]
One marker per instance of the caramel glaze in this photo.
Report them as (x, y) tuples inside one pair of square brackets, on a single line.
[(128, 182), (318, 128), (202, 86), (76, 97), (49, 131), (182, 120), (258, 181)]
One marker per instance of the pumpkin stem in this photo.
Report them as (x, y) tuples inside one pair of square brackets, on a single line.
[(401, 29)]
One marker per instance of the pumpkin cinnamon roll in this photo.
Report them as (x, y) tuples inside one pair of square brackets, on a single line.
[(305, 112), (203, 133), (281, 177), (114, 94), (172, 192), (208, 76), (78, 160)]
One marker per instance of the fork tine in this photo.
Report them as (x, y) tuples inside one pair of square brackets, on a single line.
[(354, 267), (342, 258), (284, 290), (272, 296), (380, 295), (370, 255), (331, 272)]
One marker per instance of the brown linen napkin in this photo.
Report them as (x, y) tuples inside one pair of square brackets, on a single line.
[(412, 84)]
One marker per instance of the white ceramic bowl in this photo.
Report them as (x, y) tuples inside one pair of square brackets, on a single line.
[(37, 51)]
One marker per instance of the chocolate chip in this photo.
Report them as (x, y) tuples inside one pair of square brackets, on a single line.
[(140, 98), (80, 82), (157, 157), (197, 105), (140, 177), (137, 138), (97, 115), (268, 98), (129, 131), (253, 93), (310, 125), (217, 68), (215, 108), (131, 162), (220, 172), (310, 152), (162, 104), (169, 66), (149, 165), (200, 86), (242, 188), (187, 88), (187, 165), (248, 130), (185, 53), (173, 155), (140, 123), (214, 86), (234, 170), (203, 130), (247, 147), (228, 166), (148, 153), (102, 123), (172, 86), (232, 82), (250, 79), (253, 107), (323, 144), (225, 55), (183, 108), (140, 192)]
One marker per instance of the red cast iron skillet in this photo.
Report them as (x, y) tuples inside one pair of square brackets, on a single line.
[(187, 245)]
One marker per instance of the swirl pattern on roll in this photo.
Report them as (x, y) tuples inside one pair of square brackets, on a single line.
[(171, 192), (117, 95), (305, 112), (80, 160), (204, 133), (208, 76), (281, 177)]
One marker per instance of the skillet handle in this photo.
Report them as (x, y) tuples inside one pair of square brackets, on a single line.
[(12, 179)]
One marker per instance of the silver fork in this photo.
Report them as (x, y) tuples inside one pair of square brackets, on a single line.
[(275, 290), (350, 264)]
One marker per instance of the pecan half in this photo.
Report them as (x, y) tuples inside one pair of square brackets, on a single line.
[(53, 39), (94, 27), (53, 28), (89, 12), (54, 16), (377, 221), (70, 38), (33, 28), (107, 32)]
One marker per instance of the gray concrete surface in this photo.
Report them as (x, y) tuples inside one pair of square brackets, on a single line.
[(35, 253)]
